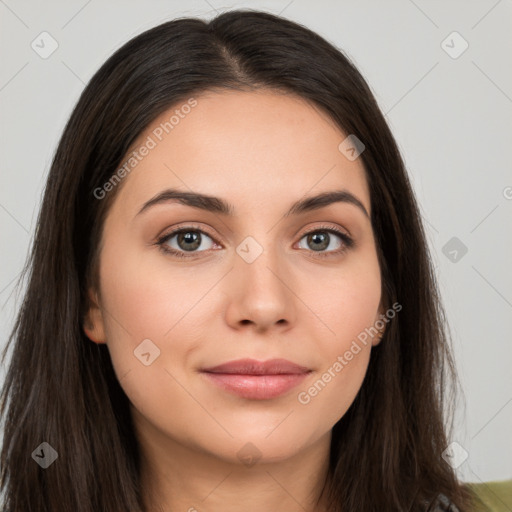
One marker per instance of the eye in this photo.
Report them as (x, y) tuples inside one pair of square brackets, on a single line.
[(321, 238), (188, 239)]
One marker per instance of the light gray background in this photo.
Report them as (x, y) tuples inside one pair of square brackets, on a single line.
[(451, 118)]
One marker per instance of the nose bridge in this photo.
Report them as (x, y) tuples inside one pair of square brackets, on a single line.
[(259, 260), (258, 291)]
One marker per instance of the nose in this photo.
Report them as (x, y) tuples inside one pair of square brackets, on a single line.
[(260, 293)]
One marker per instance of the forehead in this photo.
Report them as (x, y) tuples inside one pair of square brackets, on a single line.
[(242, 145)]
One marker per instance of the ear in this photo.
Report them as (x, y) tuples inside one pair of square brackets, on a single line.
[(93, 321), (379, 318)]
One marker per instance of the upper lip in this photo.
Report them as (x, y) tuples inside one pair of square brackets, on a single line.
[(254, 367)]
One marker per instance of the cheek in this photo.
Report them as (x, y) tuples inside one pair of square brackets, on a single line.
[(136, 305), (348, 308), (144, 298), (148, 316), (327, 397), (346, 302)]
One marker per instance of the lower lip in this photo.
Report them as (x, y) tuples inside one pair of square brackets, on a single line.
[(256, 387)]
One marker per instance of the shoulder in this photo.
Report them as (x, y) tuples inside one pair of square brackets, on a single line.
[(444, 504), (441, 504)]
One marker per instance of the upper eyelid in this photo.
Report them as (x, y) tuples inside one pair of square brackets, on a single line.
[(186, 227)]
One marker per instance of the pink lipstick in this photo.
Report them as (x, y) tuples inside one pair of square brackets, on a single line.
[(257, 380)]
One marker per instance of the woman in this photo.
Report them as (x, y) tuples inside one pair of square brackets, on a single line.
[(293, 356)]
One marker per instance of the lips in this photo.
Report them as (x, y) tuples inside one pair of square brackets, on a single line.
[(253, 367), (257, 380)]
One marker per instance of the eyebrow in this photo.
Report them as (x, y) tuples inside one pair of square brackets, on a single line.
[(218, 205)]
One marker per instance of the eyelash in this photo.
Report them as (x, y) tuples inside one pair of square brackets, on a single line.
[(348, 242)]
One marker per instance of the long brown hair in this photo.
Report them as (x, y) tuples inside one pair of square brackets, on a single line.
[(61, 389)]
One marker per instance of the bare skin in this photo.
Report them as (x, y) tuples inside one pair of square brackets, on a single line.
[(260, 151)]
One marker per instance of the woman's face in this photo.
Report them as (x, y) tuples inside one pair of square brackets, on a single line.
[(252, 283)]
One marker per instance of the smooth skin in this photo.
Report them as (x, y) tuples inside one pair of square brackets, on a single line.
[(260, 151)]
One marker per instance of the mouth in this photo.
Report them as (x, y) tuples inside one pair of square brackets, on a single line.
[(257, 380)]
